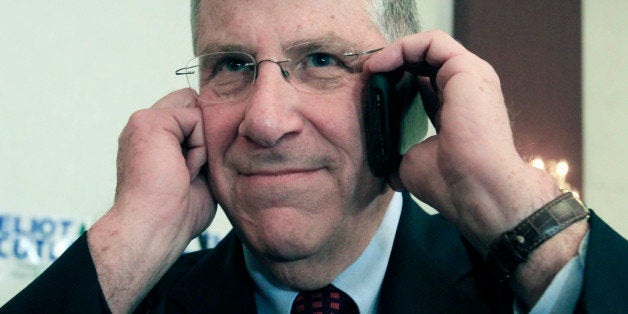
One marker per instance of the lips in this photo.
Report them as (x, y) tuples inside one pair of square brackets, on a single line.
[(275, 162), (280, 177), (278, 172), (279, 166)]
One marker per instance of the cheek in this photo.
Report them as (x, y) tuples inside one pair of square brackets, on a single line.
[(341, 123), (220, 124), (221, 127)]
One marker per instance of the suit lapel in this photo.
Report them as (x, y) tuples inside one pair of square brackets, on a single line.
[(219, 283), (429, 267)]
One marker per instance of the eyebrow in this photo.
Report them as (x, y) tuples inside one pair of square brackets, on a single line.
[(219, 47), (329, 41)]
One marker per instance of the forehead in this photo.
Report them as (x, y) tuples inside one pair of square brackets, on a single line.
[(272, 24)]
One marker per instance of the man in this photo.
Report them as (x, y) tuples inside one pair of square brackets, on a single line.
[(286, 160)]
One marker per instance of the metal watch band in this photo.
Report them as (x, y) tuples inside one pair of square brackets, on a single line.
[(514, 246)]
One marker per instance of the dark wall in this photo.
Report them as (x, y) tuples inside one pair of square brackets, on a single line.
[(535, 47)]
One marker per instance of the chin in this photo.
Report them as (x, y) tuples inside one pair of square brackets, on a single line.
[(285, 235), (285, 254), (281, 250)]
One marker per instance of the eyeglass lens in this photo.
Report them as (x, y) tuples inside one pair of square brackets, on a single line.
[(224, 77)]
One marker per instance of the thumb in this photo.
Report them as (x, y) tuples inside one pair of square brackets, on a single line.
[(419, 173)]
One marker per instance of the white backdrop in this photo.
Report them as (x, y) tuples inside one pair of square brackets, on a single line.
[(73, 71), (605, 111)]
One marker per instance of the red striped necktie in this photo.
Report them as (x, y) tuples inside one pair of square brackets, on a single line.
[(327, 300)]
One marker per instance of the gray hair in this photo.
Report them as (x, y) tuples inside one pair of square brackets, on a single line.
[(395, 18)]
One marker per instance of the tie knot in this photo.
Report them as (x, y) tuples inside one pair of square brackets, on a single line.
[(326, 300)]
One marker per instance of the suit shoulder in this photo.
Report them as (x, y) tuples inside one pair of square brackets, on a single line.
[(186, 265)]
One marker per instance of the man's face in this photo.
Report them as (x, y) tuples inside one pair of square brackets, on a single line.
[(288, 166)]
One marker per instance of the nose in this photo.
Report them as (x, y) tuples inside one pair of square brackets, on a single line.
[(272, 109)]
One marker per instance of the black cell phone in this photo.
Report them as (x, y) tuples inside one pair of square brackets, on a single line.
[(394, 120)]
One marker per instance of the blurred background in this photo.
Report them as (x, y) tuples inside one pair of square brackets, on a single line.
[(73, 71)]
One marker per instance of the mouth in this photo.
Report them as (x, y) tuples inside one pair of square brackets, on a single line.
[(280, 176), (277, 172)]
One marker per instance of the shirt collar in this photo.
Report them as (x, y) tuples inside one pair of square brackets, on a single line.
[(273, 297)]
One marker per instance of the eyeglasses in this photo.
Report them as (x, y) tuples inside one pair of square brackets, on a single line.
[(227, 77)]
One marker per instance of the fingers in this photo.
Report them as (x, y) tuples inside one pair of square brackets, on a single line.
[(433, 47), (433, 54), (452, 77), (177, 114), (166, 139), (438, 58), (188, 128)]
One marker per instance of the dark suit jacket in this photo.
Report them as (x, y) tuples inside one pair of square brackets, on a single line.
[(431, 270)]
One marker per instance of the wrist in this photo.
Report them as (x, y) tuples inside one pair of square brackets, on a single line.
[(164, 218), (130, 256), (502, 202), (533, 276), (514, 246), (530, 189)]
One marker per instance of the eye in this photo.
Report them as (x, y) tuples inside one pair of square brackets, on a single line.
[(232, 64), (226, 72), (221, 63), (321, 59)]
